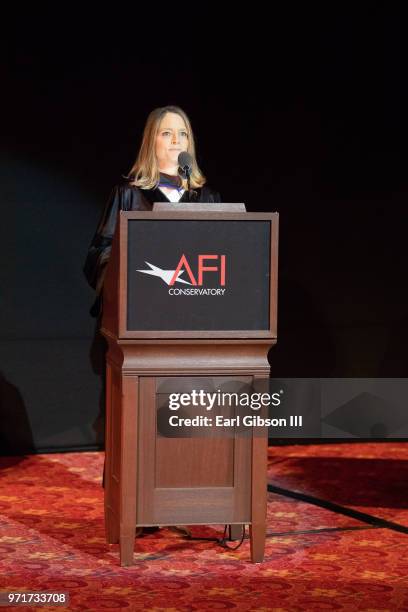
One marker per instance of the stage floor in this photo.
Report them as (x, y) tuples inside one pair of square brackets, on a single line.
[(337, 538)]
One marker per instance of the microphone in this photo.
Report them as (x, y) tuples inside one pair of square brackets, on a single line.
[(185, 162)]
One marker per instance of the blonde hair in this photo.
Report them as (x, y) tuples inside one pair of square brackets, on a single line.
[(145, 172)]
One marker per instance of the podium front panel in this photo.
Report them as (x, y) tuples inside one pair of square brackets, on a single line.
[(199, 277), (187, 480)]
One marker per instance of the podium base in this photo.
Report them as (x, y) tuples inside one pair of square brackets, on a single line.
[(155, 480)]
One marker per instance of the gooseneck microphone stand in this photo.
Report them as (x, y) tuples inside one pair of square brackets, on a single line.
[(185, 172)]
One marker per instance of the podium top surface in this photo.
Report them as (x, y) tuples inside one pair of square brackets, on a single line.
[(200, 207)]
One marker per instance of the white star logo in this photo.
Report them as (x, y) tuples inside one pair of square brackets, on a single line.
[(165, 275)]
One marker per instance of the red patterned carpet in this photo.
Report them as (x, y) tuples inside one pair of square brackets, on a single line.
[(52, 538)]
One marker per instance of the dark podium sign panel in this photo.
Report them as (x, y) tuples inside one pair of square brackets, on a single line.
[(198, 274)]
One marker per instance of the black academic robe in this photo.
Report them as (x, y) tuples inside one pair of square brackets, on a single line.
[(125, 197)]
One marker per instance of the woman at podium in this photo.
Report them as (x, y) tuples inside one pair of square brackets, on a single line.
[(155, 177)]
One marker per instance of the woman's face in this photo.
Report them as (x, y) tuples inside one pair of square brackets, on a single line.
[(171, 139)]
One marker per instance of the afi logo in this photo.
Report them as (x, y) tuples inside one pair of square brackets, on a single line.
[(174, 276), (202, 267)]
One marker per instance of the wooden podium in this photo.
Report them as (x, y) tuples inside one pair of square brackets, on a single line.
[(160, 333)]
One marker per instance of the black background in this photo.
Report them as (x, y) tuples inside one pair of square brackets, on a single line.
[(303, 111), (245, 302)]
